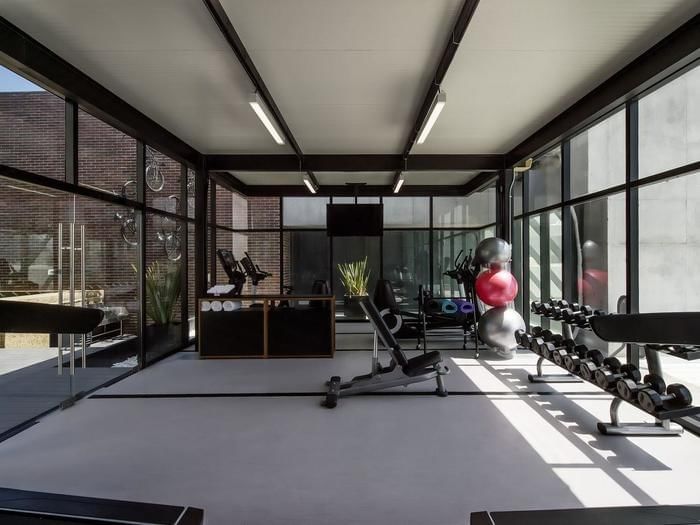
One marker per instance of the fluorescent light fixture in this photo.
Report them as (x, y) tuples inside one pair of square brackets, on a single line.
[(433, 115), (310, 184), (399, 182), (262, 112)]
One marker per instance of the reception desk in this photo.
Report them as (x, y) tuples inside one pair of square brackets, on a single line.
[(258, 327)]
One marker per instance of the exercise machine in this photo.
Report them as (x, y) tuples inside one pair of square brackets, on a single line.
[(236, 275), (401, 371), (253, 272)]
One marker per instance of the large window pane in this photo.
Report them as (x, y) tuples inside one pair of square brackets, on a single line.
[(351, 200), (598, 156), (251, 213), (306, 259), (477, 209), (669, 245), (544, 180), (446, 246), (304, 212), (669, 250), (669, 125), (545, 260), (163, 176), (264, 250), (32, 121), (164, 293), (231, 208), (517, 261), (406, 212), (407, 263), (106, 157)]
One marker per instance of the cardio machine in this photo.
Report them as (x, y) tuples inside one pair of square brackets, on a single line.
[(236, 275), (401, 371), (253, 272)]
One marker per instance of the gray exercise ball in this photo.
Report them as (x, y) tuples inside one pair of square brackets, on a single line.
[(492, 250), (497, 328)]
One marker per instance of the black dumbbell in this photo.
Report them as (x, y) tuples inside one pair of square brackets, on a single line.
[(582, 320), (676, 395), (629, 389), (542, 337), (572, 360), (521, 337), (607, 377), (569, 315), (594, 360), (548, 348), (561, 353), (566, 305)]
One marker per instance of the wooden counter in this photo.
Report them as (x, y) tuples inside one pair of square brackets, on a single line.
[(232, 327)]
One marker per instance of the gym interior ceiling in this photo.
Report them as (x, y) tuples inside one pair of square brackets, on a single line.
[(349, 78)]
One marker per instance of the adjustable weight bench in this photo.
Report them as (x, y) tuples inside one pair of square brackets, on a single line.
[(401, 371)]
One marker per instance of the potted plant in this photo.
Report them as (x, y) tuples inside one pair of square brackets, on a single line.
[(354, 276), (163, 286)]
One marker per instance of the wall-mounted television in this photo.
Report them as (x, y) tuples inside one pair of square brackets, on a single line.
[(347, 220)]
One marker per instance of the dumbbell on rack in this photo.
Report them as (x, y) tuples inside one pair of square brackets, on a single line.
[(594, 359), (572, 360), (537, 344), (607, 376), (560, 354), (581, 317), (630, 389), (676, 395)]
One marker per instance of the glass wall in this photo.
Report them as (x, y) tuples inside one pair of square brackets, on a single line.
[(544, 180), (407, 263), (32, 124)]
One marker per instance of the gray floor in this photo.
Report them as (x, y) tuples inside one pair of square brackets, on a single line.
[(373, 460)]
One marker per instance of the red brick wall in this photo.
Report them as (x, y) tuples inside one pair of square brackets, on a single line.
[(32, 139)]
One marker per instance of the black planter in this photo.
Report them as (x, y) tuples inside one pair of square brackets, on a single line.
[(352, 308), (162, 338)]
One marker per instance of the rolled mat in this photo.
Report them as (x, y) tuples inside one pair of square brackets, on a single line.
[(432, 305), (466, 307)]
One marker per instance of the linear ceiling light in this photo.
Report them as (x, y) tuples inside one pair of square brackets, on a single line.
[(433, 115), (398, 182), (263, 114), (313, 188)]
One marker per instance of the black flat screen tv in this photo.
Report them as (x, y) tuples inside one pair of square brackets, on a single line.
[(347, 220)]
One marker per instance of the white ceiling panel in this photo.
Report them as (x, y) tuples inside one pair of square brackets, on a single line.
[(339, 178), (521, 63), (438, 178), (272, 178), (347, 76), (167, 58)]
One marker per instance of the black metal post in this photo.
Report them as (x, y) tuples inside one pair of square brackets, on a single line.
[(141, 222), (184, 258), (568, 238), (71, 127), (632, 216)]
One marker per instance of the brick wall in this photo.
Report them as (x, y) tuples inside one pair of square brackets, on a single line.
[(32, 139)]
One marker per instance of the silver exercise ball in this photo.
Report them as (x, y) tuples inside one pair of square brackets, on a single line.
[(497, 328), (492, 250)]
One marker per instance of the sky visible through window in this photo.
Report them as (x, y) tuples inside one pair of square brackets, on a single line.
[(12, 82)]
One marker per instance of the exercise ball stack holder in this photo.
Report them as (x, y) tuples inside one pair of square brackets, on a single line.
[(662, 425)]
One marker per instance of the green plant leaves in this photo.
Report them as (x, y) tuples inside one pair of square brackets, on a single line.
[(355, 277)]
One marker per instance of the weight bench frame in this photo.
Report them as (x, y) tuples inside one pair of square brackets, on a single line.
[(381, 377)]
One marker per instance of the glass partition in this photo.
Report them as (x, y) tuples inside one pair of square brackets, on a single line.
[(407, 263)]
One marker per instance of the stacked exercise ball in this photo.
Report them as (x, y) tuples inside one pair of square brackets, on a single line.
[(496, 287)]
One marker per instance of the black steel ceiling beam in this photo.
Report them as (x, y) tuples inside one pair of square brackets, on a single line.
[(21, 52), (677, 51), (455, 38), (349, 191), (230, 182), (479, 182), (320, 163), (224, 24)]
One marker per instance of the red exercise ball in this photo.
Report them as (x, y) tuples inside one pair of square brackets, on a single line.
[(496, 287)]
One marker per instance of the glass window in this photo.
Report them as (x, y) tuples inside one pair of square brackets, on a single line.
[(191, 303), (669, 245), (231, 208), (517, 260), (261, 213), (33, 127), (406, 212), (669, 125), (163, 176), (544, 180), (263, 249), (545, 260), (304, 212), (407, 263), (472, 211), (306, 259), (163, 332), (669, 249), (518, 194), (191, 178), (446, 246), (598, 156), (351, 200), (106, 157)]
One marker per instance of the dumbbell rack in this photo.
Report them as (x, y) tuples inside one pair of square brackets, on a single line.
[(662, 425)]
